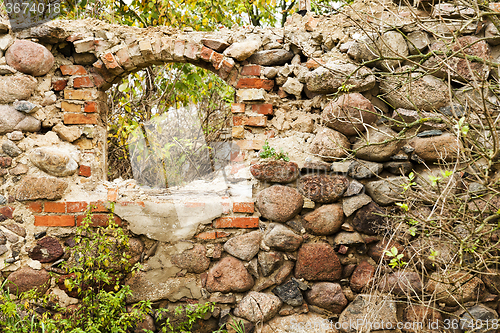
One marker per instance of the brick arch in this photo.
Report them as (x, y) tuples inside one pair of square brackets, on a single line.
[(120, 50)]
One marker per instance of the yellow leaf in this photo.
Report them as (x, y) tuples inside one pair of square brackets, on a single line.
[(67, 284)]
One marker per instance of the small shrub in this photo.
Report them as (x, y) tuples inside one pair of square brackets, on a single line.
[(268, 152)]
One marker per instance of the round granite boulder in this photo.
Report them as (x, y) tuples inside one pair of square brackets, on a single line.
[(279, 203)]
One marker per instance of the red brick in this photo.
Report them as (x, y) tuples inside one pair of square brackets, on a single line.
[(79, 119), (243, 207), (55, 207), (55, 221), (85, 171), (206, 53), (72, 70), (110, 62), (98, 220), (74, 38), (253, 70), (222, 234), (70, 107), (35, 207), (207, 235), (76, 207), (237, 222), (98, 207), (101, 69), (239, 120), (217, 60), (60, 84), (83, 94), (256, 121), (112, 194), (312, 63), (82, 82), (225, 69), (237, 108), (247, 82), (282, 93), (7, 211), (266, 109), (123, 58), (237, 156), (91, 107), (98, 79)]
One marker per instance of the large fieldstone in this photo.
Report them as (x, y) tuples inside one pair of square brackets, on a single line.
[(318, 262), (299, 323), (29, 58), (323, 188), (258, 307), (289, 293), (403, 283), (229, 275), (391, 44), (434, 148), (16, 87), (11, 149), (351, 204), (193, 260), (244, 247), (274, 57), (480, 319), (409, 90), (54, 161), (269, 261), (26, 279), (275, 171), (325, 220), (281, 238), (386, 191), (349, 114), (47, 249), (422, 314), (454, 288), (330, 144), (243, 50), (12, 120), (329, 78), (369, 219), (279, 203), (362, 276), (378, 144), (327, 295), (33, 188), (367, 310), (457, 67), (360, 169)]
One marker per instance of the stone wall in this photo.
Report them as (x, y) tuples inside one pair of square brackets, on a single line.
[(282, 242)]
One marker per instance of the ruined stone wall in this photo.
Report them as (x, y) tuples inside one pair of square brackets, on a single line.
[(277, 242)]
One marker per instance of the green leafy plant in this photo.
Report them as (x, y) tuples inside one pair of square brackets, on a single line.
[(16, 314), (396, 260), (411, 182), (100, 263), (269, 152), (192, 313)]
